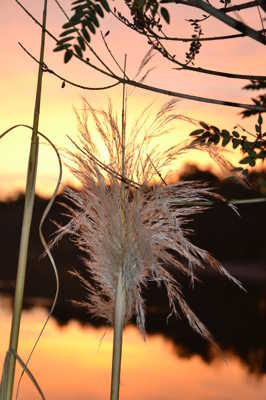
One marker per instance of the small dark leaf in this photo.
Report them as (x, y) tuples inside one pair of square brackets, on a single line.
[(260, 119), (68, 24), (258, 128), (215, 129), (204, 125), (75, 19), (62, 47), (94, 19), (237, 169), (86, 34), (216, 138), (64, 40), (226, 140), (99, 10), (78, 1), (262, 154), (225, 133), (196, 141), (107, 33), (165, 14), (81, 43), (90, 26), (78, 50), (210, 140), (246, 146), (80, 7), (68, 55), (235, 134), (68, 32), (105, 5), (245, 160), (206, 134), (252, 163), (63, 84), (252, 153), (154, 9), (196, 132), (235, 143)]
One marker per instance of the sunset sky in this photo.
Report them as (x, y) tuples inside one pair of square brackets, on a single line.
[(18, 75)]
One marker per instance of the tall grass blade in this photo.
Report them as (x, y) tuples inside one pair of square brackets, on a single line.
[(3, 384), (27, 217)]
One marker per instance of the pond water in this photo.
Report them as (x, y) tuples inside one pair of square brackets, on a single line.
[(73, 361)]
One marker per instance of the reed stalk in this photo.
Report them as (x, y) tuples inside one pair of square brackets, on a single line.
[(121, 290), (27, 218), (119, 321)]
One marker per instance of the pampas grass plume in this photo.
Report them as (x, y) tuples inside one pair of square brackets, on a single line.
[(141, 233)]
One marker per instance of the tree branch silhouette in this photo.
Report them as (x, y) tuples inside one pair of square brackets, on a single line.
[(133, 83)]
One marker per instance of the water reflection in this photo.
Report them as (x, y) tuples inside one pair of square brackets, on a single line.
[(236, 320), (74, 363), (73, 359)]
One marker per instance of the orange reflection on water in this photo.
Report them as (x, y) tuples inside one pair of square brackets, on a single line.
[(74, 363)]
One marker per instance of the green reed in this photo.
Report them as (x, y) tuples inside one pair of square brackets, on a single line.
[(26, 224)]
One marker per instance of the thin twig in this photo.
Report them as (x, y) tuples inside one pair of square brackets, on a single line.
[(111, 54), (153, 35), (47, 69), (233, 23), (156, 89), (238, 7), (192, 97), (227, 9), (156, 170), (36, 21), (202, 39), (164, 52)]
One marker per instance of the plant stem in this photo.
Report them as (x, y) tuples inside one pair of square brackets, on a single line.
[(121, 291), (27, 217), (119, 318), (123, 144)]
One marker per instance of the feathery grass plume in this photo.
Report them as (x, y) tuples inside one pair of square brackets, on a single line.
[(150, 233)]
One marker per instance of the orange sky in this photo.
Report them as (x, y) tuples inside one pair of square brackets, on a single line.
[(18, 75)]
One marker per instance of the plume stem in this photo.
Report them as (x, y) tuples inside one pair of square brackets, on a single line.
[(123, 138), (119, 319), (120, 295)]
